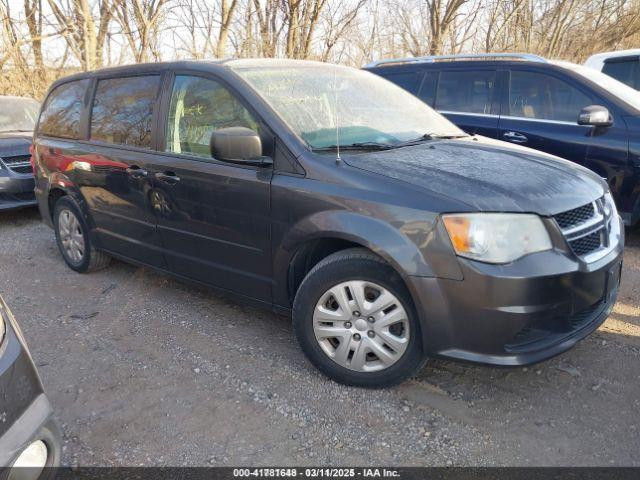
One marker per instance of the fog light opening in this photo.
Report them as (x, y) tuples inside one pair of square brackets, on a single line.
[(30, 463)]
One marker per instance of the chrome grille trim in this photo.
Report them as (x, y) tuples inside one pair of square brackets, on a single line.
[(18, 164), (582, 236)]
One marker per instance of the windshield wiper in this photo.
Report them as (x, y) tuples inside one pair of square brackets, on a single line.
[(356, 146), (374, 146), (429, 136), (15, 130)]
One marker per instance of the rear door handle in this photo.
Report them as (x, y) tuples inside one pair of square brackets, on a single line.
[(515, 137), (136, 172), (169, 178)]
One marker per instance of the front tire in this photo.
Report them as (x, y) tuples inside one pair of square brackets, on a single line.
[(72, 236), (355, 321)]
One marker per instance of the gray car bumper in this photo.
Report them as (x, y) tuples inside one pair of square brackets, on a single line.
[(16, 190)]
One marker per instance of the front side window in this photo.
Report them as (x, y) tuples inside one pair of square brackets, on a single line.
[(200, 106), (466, 91), (62, 111), (326, 105), (626, 72), (123, 110), (541, 96)]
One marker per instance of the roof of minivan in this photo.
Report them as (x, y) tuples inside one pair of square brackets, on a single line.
[(198, 64), (204, 65)]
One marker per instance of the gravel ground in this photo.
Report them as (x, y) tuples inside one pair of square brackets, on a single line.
[(145, 370)]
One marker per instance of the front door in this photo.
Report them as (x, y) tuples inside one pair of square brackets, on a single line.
[(540, 111), (213, 216)]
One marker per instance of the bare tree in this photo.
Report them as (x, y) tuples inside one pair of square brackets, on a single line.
[(227, 8), (442, 15), (141, 26), (83, 29), (337, 22), (270, 26)]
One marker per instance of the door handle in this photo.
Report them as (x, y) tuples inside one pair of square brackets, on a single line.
[(169, 178), (136, 172), (515, 137)]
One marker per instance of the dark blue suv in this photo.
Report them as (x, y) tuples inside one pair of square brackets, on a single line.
[(557, 107)]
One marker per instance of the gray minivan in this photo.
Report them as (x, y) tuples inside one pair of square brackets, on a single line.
[(329, 194)]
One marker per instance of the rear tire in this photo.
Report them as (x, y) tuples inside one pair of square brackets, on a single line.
[(343, 316), (72, 236)]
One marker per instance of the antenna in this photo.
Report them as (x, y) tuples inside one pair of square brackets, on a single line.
[(337, 119)]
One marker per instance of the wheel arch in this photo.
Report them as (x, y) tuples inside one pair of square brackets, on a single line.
[(60, 186), (324, 233)]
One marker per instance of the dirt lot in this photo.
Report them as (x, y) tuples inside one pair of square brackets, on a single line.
[(145, 370)]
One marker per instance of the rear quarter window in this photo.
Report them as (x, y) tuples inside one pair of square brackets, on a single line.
[(410, 81), (62, 110), (122, 110)]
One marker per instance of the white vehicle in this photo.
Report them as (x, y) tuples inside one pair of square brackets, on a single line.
[(623, 65)]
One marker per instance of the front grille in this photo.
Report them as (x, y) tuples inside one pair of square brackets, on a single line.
[(587, 244), (19, 163), (8, 161), (553, 330), (22, 169), (575, 217), (586, 228)]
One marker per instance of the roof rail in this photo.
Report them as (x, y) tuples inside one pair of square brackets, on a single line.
[(474, 56)]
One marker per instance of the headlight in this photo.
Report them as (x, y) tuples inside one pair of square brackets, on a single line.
[(496, 237)]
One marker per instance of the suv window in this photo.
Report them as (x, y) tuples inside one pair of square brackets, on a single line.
[(537, 95), (626, 71), (123, 110), (410, 81), (466, 91), (428, 89), (199, 106), (61, 113)]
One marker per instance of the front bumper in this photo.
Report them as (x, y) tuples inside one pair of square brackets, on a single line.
[(26, 412), (520, 313), (16, 190)]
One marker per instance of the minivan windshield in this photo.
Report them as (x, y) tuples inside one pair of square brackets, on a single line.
[(18, 114), (613, 86), (328, 105)]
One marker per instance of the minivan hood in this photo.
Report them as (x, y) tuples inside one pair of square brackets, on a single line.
[(488, 175)]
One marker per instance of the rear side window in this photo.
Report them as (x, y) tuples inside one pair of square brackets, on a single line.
[(410, 81), (61, 113), (428, 89), (541, 96), (626, 72), (467, 91), (123, 110)]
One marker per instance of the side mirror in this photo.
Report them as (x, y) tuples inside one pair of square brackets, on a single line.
[(596, 116), (236, 144)]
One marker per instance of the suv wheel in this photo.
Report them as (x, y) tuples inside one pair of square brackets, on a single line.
[(355, 321), (72, 235)]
